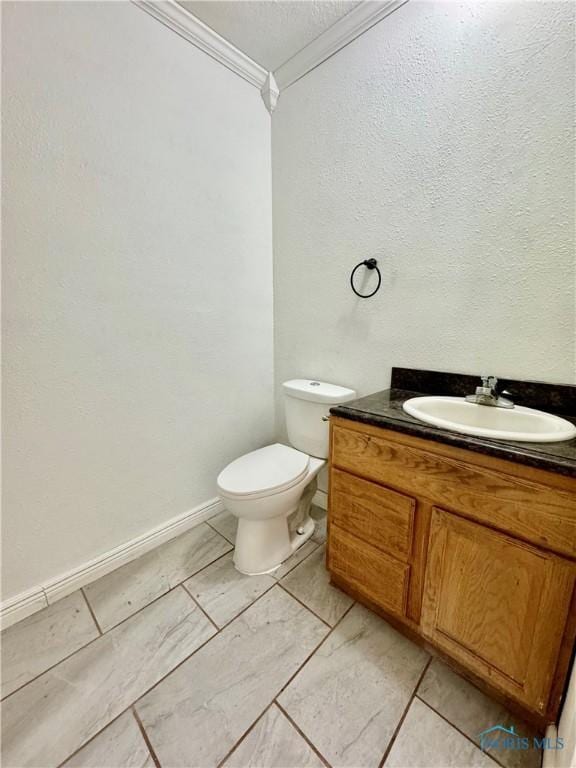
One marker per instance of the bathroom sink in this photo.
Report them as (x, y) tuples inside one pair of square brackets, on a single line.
[(517, 424)]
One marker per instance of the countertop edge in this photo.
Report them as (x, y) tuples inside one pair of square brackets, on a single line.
[(509, 451)]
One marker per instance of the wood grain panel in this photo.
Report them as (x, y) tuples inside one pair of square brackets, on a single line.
[(419, 558), (380, 578), (541, 514), (509, 466), (381, 517), (497, 605)]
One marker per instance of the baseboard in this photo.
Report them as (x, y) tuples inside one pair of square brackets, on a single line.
[(320, 498), (26, 603), (19, 607)]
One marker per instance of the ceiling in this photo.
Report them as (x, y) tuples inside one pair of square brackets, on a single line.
[(269, 31)]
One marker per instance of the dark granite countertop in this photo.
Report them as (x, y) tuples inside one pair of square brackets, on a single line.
[(384, 409)]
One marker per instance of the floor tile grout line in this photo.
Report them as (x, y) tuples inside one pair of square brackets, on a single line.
[(52, 666), (279, 583), (175, 586), (148, 690), (107, 631), (279, 578), (297, 728), (145, 737), (170, 589), (276, 583), (218, 630), (307, 659), (180, 663), (98, 637), (98, 627), (217, 531), (220, 557), (203, 644), (246, 607), (197, 604), (301, 666), (92, 738), (274, 700), (244, 735), (223, 627), (456, 728), (331, 629), (133, 704), (102, 633), (406, 710)]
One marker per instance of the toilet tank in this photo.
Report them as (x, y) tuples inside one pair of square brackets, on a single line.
[(307, 405)]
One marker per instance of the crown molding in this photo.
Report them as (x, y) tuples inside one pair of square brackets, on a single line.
[(270, 93), (191, 28), (188, 26), (344, 31)]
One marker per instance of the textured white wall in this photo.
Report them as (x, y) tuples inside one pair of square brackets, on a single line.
[(137, 244), (439, 142), (137, 280)]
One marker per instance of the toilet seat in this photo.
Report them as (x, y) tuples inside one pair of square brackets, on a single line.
[(269, 470)]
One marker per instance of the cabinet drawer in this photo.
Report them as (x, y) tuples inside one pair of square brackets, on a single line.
[(541, 514), (381, 517), (378, 577)]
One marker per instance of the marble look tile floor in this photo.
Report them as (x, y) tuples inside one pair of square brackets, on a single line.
[(178, 660)]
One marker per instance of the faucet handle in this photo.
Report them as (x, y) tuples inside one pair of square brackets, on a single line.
[(489, 382)]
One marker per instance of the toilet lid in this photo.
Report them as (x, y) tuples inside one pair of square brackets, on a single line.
[(273, 468)]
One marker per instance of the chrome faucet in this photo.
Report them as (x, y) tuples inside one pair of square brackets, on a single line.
[(487, 394)]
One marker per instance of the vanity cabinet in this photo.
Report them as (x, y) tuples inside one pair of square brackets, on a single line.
[(475, 555)]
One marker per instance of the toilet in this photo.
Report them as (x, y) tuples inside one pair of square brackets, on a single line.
[(270, 490)]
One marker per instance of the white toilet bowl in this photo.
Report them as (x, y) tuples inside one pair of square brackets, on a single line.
[(270, 490), (262, 489)]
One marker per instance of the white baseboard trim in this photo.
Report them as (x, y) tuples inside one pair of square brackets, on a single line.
[(26, 603), (320, 498), (19, 607)]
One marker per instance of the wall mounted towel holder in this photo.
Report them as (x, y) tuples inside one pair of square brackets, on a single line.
[(369, 264)]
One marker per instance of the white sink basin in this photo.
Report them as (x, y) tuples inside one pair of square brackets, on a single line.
[(518, 423)]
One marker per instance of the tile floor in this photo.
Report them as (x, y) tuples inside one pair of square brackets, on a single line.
[(176, 659)]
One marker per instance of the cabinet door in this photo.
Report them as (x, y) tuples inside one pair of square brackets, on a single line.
[(497, 605)]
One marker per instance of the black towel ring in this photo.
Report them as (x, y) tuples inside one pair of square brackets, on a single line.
[(369, 264)]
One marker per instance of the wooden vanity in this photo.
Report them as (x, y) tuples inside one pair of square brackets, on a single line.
[(473, 554)]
